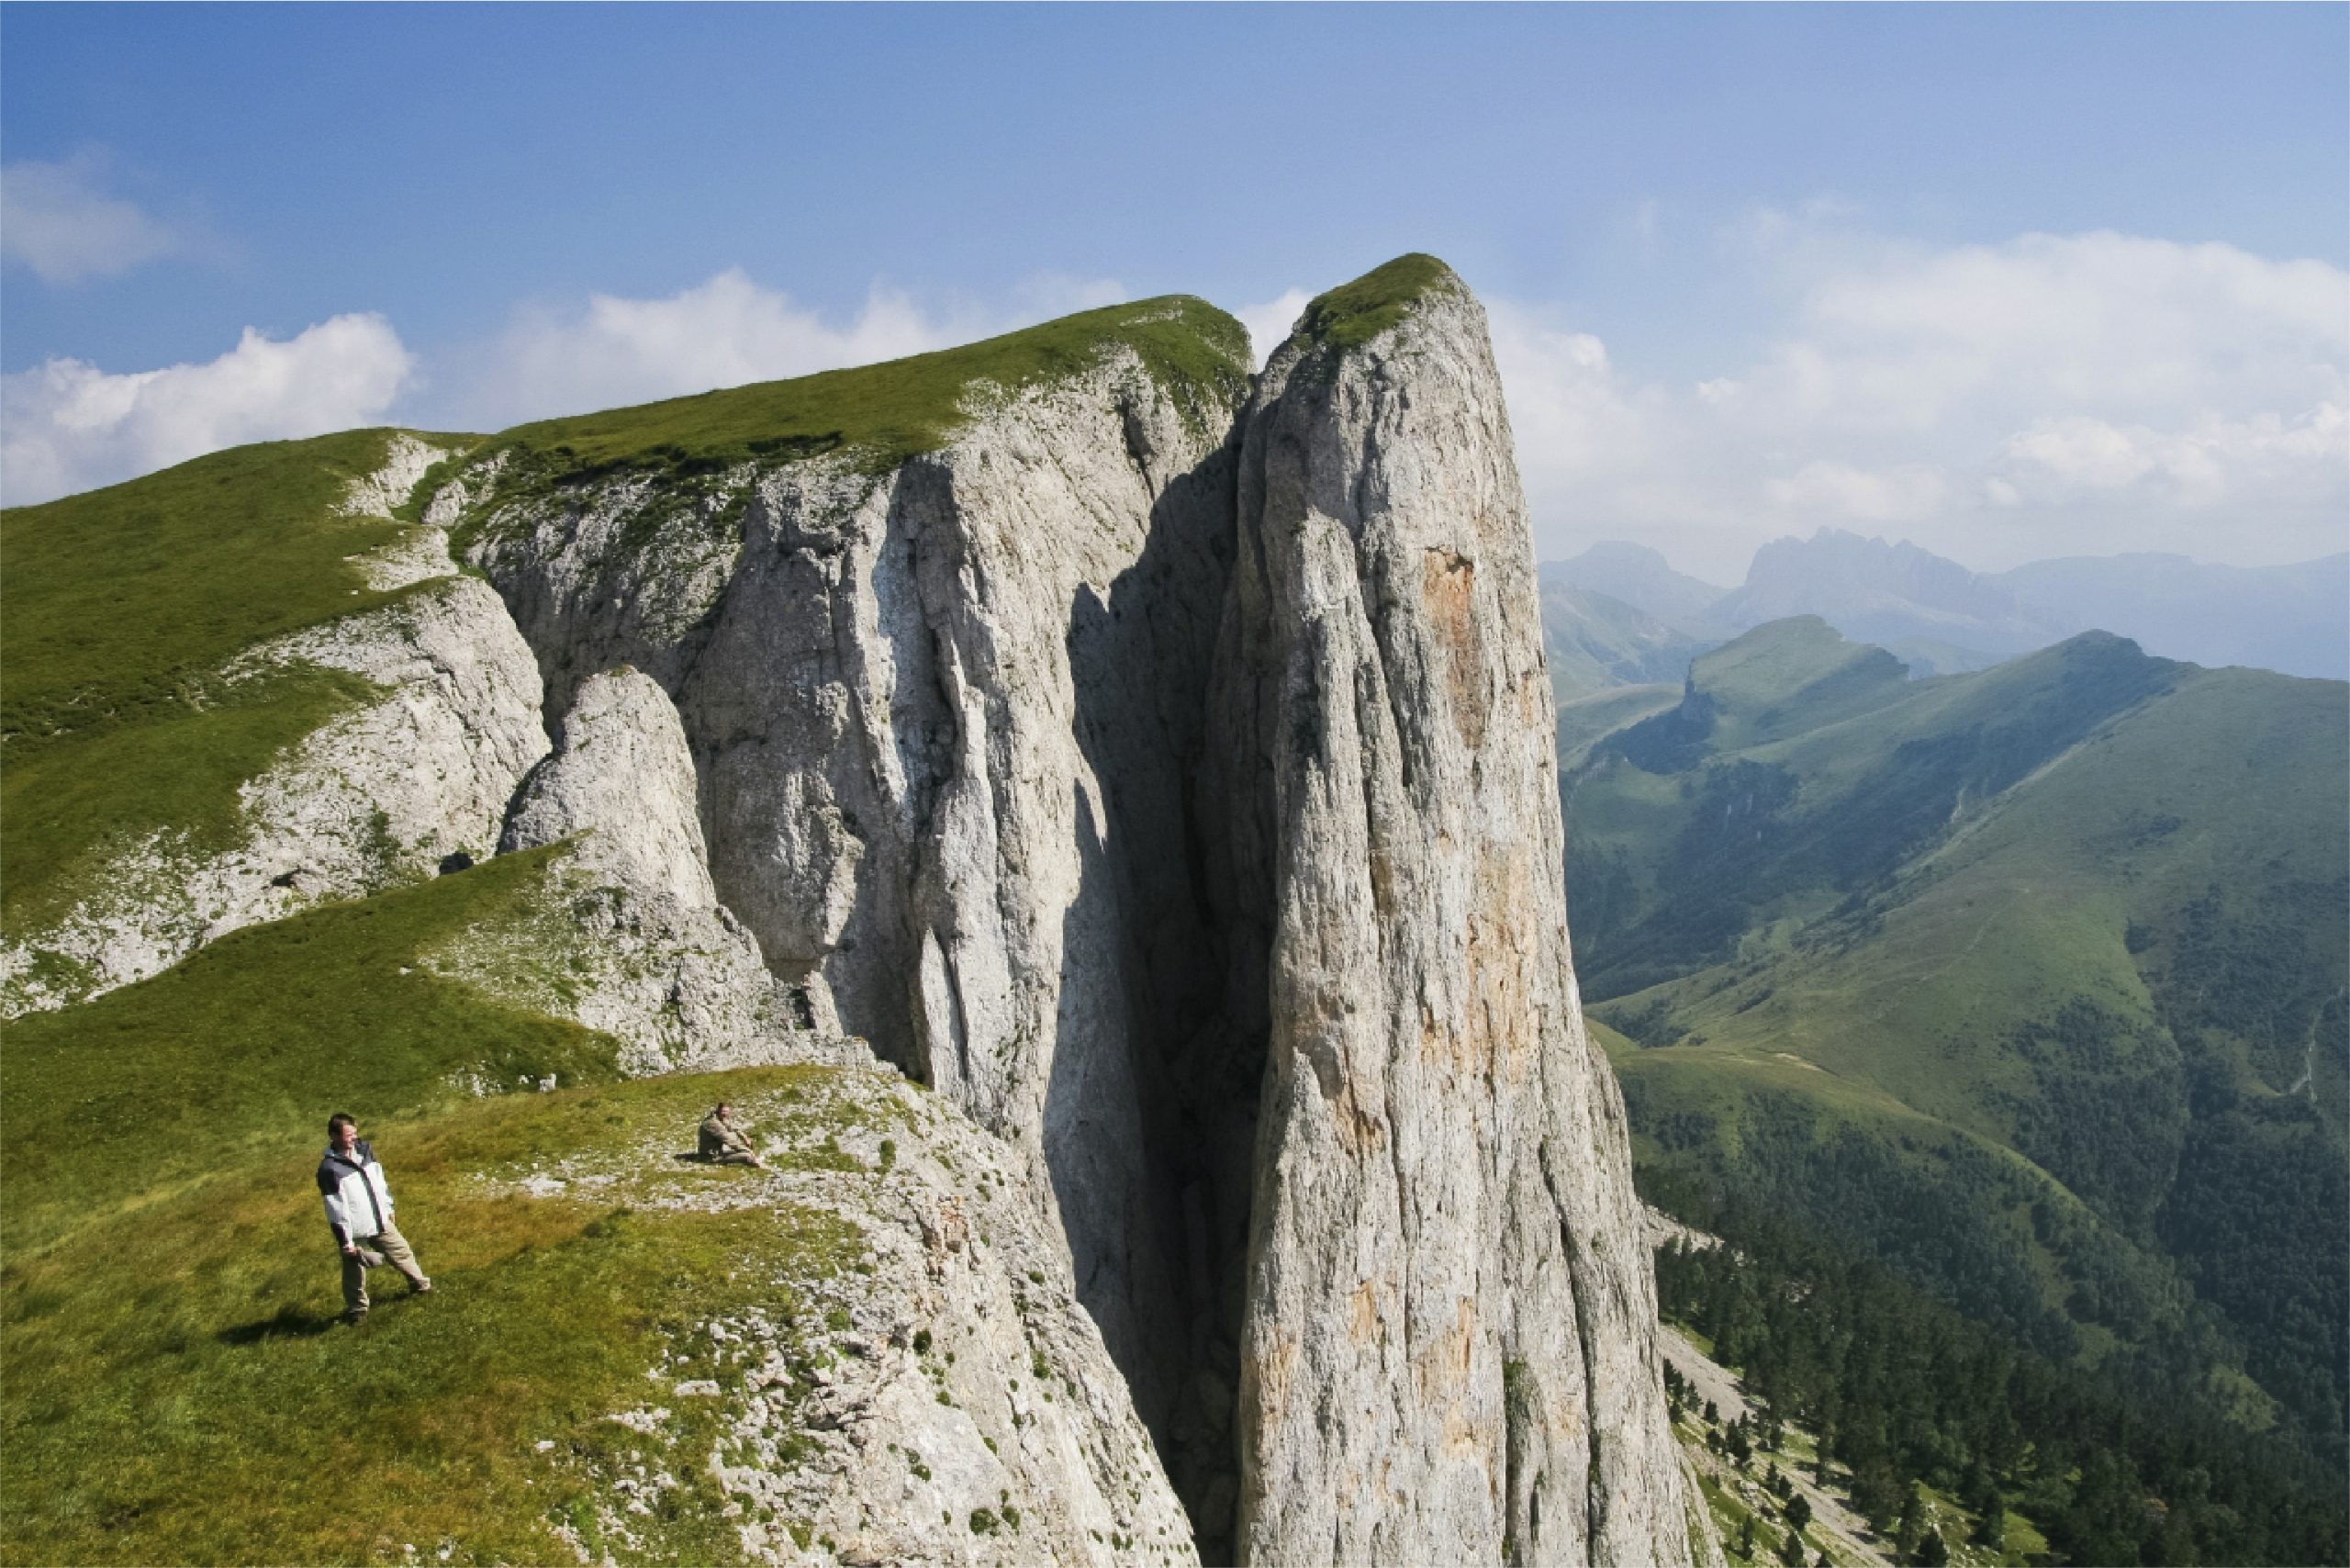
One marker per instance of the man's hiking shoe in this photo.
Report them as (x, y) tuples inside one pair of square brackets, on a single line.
[(353, 1319), (421, 1287)]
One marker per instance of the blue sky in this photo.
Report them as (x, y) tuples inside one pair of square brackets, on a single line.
[(1652, 200)]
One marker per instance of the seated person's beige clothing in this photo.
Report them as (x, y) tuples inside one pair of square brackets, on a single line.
[(722, 1145)]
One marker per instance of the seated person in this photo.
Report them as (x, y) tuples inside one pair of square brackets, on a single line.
[(722, 1143)]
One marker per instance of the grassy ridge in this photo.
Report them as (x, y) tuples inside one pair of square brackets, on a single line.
[(67, 802), (2081, 917), (123, 605), (886, 413), (206, 1065), (122, 599), (1353, 313), (1593, 644), (177, 1389)]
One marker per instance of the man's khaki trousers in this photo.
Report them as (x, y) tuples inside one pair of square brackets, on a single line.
[(396, 1252)]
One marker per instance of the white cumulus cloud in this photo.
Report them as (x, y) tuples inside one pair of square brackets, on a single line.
[(1268, 323), (2053, 394), (56, 219), (1908, 492), (66, 425)]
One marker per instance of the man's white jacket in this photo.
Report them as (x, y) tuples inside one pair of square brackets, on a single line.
[(359, 1203)]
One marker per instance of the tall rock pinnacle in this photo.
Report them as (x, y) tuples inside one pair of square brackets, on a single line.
[(1447, 1345), (1175, 796)]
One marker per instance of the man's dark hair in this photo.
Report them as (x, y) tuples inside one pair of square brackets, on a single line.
[(340, 1119)]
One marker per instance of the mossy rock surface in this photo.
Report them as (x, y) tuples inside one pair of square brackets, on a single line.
[(1354, 313)]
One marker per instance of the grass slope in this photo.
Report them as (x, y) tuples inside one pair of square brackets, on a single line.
[(121, 599), (886, 413), (204, 1066), (1593, 641), (124, 604), (177, 1389), (1353, 313), (2030, 981)]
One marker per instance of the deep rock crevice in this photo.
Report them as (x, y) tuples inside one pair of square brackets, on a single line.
[(1167, 785)]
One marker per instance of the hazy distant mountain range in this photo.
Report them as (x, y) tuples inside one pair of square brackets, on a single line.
[(1940, 618)]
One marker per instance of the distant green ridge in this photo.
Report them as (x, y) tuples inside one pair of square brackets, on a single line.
[(1353, 313), (2084, 909), (886, 413)]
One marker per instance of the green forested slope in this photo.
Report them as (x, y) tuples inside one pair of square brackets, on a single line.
[(1902, 1397), (2028, 981)]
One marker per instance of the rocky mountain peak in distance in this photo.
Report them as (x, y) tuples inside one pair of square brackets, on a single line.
[(1640, 577), (1153, 761), (1941, 618), (1880, 592)]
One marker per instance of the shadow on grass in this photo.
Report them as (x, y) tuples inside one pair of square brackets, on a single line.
[(291, 1323)]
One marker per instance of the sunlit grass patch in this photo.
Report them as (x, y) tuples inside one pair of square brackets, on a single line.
[(883, 414), (242, 1051), (70, 804), (1353, 313), (179, 1389), (118, 598)]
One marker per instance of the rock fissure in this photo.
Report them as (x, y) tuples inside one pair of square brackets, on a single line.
[(1145, 773)]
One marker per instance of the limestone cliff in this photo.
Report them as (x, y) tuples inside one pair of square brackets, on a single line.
[(382, 794), (1161, 771), (654, 959), (1447, 1350), (945, 718), (1153, 760)]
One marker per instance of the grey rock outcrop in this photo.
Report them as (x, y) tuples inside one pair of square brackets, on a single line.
[(657, 962), (944, 1401), (376, 796), (1448, 1346), (942, 720), (1176, 797)]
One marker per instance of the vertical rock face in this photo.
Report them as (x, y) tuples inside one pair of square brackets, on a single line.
[(1176, 796), (1447, 1344), (944, 720), (657, 962)]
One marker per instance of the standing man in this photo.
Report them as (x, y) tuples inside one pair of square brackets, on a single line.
[(359, 1208)]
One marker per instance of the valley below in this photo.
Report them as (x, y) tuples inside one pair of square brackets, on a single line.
[(2025, 986)]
